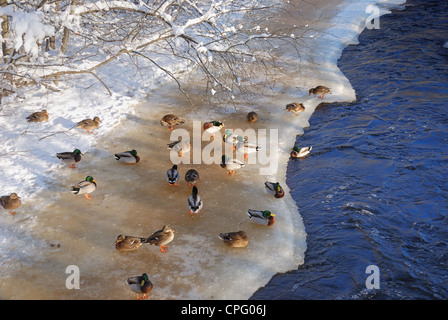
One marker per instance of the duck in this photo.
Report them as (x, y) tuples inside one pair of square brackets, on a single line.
[(172, 176), (128, 157), (301, 153), (128, 243), (320, 91), (10, 202), (237, 239), (89, 124), (171, 120), (231, 164), (275, 189), (194, 202), (295, 107), (161, 238), (245, 148), (181, 147), (71, 158), (232, 139), (212, 127), (140, 285), (85, 187), (39, 116), (263, 217), (192, 177), (252, 117)]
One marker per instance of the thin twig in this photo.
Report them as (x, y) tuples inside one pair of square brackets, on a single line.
[(57, 132)]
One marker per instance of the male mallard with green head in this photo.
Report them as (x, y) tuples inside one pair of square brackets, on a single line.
[(263, 217), (10, 202), (85, 187), (212, 127), (300, 153), (275, 189), (161, 238), (70, 158), (231, 164), (172, 176), (194, 201), (319, 91), (232, 139), (140, 285), (171, 120), (128, 157), (234, 239)]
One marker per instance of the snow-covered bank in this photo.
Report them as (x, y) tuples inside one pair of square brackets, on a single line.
[(28, 150), (29, 164)]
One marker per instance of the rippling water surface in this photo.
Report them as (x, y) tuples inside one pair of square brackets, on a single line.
[(374, 189)]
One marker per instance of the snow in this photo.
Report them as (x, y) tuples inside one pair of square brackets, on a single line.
[(28, 160), (28, 150), (28, 29)]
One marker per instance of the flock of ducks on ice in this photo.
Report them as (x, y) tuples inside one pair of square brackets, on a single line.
[(141, 284)]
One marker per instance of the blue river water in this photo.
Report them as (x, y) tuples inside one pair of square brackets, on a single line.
[(374, 190)]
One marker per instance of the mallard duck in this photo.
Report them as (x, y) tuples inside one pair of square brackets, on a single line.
[(129, 243), (10, 202), (297, 152), (128, 157), (89, 124), (263, 217), (212, 127), (161, 238), (192, 177), (140, 285), (232, 139), (319, 91), (245, 148), (70, 158), (295, 107), (85, 187), (194, 202), (231, 164), (181, 147), (172, 175), (275, 189), (234, 239), (171, 120), (252, 116), (39, 116)]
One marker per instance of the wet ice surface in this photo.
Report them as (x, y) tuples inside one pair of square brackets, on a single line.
[(137, 200)]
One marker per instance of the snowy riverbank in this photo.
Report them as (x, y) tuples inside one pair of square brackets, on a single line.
[(27, 154)]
